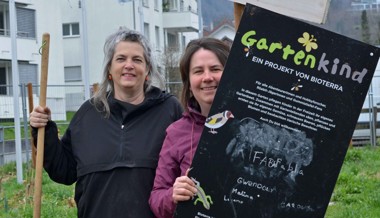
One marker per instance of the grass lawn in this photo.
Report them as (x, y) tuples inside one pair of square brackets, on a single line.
[(356, 195), (16, 200), (357, 192)]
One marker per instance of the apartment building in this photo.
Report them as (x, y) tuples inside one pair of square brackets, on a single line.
[(360, 5), (78, 29), (166, 23), (33, 18)]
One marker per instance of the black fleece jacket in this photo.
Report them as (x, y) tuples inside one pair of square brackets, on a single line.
[(112, 160)]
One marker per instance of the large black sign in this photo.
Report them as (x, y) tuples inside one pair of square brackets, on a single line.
[(288, 102)]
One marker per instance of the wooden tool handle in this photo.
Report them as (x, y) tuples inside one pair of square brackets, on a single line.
[(31, 106), (41, 131)]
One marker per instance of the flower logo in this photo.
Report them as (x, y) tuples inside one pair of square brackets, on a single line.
[(309, 42)]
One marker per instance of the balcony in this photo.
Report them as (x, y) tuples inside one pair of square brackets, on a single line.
[(27, 49), (25, 2), (181, 20)]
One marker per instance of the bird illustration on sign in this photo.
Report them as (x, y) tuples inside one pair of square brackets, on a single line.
[(218, 120)]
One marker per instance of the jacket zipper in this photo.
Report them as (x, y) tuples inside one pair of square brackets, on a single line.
[(121, 140)]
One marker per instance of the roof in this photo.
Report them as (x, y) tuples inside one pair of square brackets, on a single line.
[(224, 30)]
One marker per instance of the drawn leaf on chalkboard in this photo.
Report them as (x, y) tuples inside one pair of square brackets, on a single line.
[(309, 42)]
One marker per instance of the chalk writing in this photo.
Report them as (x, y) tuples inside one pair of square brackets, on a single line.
[(227, 199), (199, 215), (269, 152), (296, 206), (256, 185)]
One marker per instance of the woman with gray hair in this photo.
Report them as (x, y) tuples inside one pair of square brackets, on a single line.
[(111, 147)]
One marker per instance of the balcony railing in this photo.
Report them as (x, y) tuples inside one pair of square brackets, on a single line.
[(20, 34)]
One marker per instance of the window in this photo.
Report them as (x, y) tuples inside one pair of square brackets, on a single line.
[(181, 5), (70, 29), (156, 5), (26, 25), (26, 22), (173, 5), (157, 32), (28, 73), (145, 3), (146, 31), (183, 42), (172, 41), (4, 20), (3, 81), (73, 74)]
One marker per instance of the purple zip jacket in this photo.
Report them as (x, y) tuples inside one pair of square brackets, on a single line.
[(176, 155)]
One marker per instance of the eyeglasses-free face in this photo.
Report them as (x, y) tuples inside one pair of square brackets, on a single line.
[(205, 73)]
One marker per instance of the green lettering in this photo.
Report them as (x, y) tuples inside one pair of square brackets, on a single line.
[(262, 44), (287, 51), (274, 46), (310, 58), (246, 40), (299, 56)]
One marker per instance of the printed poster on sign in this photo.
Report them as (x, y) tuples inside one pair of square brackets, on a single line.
[(290, 96)]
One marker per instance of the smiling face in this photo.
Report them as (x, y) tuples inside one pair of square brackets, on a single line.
[(128, 69), (205, 73)]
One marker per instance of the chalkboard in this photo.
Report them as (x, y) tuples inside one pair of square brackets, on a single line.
[(290, 96)]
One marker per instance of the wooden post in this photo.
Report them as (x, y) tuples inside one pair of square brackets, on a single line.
[(312, 11), (374, 122), (31, 106), (238, 11), (41, 131), (95, 88)]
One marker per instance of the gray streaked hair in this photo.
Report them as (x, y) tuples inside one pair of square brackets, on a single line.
[(106, 86)]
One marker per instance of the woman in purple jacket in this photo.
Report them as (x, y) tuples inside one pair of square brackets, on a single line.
[(201, 68)]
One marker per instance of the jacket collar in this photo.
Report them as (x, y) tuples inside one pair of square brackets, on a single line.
[(153, 97), (194, 115)]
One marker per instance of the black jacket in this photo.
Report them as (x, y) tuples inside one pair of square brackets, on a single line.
[(112, 160)]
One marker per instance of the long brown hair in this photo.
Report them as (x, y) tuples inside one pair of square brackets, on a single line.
[(218, 47)]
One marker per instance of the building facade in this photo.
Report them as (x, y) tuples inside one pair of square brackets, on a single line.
[(78, 29), (32, 18), (166, 23), (360, 5)]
